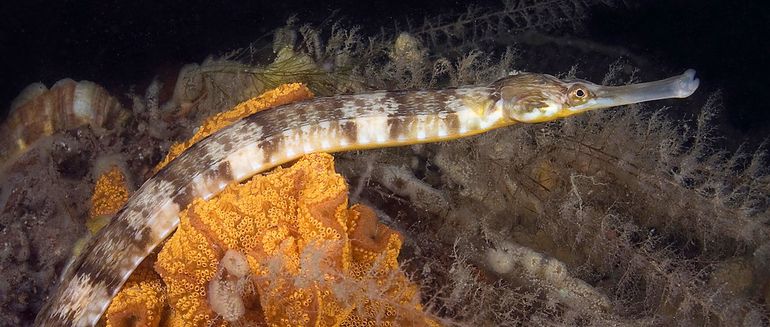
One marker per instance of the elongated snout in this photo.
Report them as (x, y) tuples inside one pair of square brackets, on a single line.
[(681, 86)]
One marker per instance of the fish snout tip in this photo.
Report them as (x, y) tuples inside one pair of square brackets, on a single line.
[(687, 84)]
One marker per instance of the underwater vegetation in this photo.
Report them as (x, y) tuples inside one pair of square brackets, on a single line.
[(633, 216)]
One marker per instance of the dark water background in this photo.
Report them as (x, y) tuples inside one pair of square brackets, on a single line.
[(122, 43)]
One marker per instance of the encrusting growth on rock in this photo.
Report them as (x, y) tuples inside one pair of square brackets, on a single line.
[(110, 193), (141, 301), (312, 261)]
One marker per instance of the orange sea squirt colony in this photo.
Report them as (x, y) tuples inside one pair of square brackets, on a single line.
[(110, 193), (281, 249)]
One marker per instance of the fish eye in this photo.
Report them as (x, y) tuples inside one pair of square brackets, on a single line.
[(578, 94)]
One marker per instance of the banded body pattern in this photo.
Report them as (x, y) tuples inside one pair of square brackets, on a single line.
[(248, 147)]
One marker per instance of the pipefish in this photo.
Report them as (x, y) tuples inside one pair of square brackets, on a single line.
[(329, 124)]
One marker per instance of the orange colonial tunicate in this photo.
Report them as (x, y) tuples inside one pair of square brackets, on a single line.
[(110, 193), (141, 301), (313, 261)]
